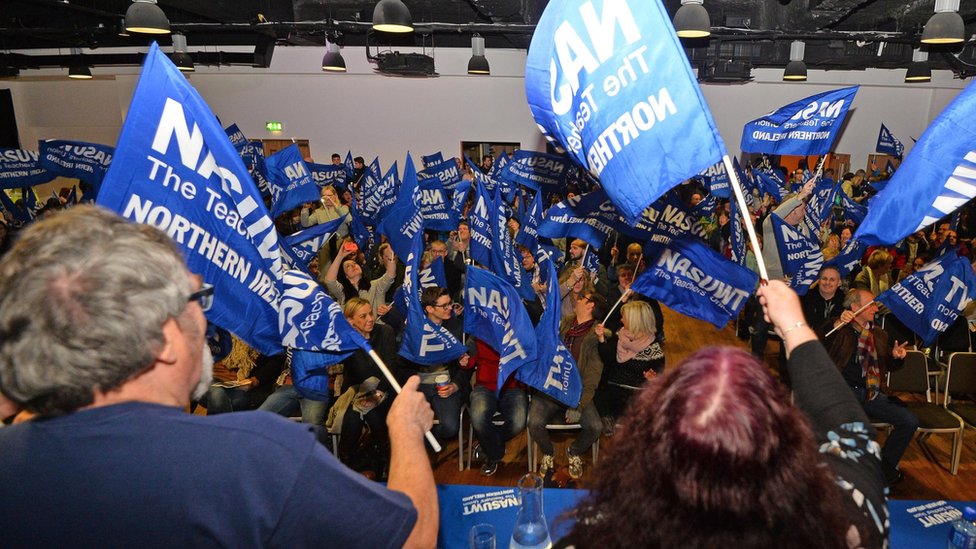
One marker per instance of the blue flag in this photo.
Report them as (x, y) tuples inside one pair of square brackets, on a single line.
[(672, 221), (705, 208), (176, 169), (737, 237), (435, 207), (805, 127), (528, 233), (693, 279), (76, 159), (936, 178), (820, 206), (890, 170), (305, 244), (433, 275), (888, 143), (327, 174), (849, 258), (800, 256), (379, 198), (350, 165), (19, 214), (432, 159), (852, 210), (458, 200), (252, 154), (577, 217), (929, 300), (717, 178), (291, 183), (508, 263), (236, 136), (615, 88), (480, 223), (536, 170), (20, 167), (554, 372), (423, 341), (446, 173), (494, 312), (403, 221), (364, 236), (770, 183)]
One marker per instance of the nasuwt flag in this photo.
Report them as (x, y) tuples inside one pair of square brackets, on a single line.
[(403, 220), (849, 258), (770, 183), (805, 127), (717, 178), (935, 179), (929, 300), (19, 214), (672, 220), (693, 279), (611, 83), (578, 217), (76, 159), (536, 169), (327, 174), (176, 169), (252, 154), (852, 210), (482, 244), (509, 261), (737, 238), (424, 342), (799, 255), (20, 167), (291, 183), (236, 136), (377, 199), (528, 232), (435, 206), (446, 173), (306, 243), (888, 143), (494, 312), (433, 275), (432, 159), (459, 199), (554, 372)]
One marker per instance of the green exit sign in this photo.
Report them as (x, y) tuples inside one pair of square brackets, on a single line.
[(274, 126)]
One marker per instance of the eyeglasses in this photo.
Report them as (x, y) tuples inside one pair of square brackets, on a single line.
[(443, 305), (583, 297), (204, 296)]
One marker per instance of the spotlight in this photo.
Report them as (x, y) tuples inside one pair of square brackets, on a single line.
[(919, 70), (946, 26), (478, 64), (145, 17), (180, 58), (392, 16), (692, 20), (796, 69), (333, 61)]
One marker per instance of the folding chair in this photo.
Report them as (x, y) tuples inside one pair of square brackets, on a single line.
[(961, 380), (533, 450), (933, 419)]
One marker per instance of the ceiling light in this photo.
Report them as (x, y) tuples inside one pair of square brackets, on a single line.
[(692, 20), (392, 16), (78, 69), (180, 57), (796, 69), (919, 70), (333, 61), (478, 64), (946, 26), (122, 31), (145, 17)]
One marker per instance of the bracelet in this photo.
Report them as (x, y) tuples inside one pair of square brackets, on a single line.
[(793, 327)]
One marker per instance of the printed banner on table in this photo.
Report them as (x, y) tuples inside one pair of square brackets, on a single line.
[(611, 83), (935, 179), (929, 300), (693, 279), (212, 211), (803, 128), (494, 313), (76, 159), (888, 143), (22, 168)]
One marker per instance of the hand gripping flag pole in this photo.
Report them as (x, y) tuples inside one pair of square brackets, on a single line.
[(743, 209), (396, 387), (626, 293), (857, 312)]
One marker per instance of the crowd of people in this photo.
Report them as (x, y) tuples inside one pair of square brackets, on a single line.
[(677, 421)]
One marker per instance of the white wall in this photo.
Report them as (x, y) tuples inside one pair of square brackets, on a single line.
[(381, 115)]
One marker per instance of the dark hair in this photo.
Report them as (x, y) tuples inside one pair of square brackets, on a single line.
[(714, 455), (359, 159), (336, 155), (430, 295), (348, 290)]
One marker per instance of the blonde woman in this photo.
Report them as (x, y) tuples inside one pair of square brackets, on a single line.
[(630, 357)]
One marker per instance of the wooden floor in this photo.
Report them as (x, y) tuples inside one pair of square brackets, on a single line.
[(924, 479)]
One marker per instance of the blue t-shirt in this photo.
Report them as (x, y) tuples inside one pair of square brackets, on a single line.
[(146, 475)]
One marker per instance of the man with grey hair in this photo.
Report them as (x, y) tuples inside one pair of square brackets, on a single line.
[(102, 337)]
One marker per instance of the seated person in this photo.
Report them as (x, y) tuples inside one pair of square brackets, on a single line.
[(715, 455), (511, 402), (242, 380)]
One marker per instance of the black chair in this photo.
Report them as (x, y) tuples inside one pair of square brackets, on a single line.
[(961, 387)]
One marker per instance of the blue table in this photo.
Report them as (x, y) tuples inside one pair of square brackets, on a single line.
[(463, 506), (915, 524)]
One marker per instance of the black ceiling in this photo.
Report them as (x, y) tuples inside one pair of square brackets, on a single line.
[(840, 34)]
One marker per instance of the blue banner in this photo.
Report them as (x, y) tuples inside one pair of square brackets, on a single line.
[(799, 255), (305, 244), (236, 136), (737, 237), (528, 233), (433, 275), (929, 300), (577, 217), (536, 170), (852, 210), (936, 178), (554, 372), (888, 143), (435, 207), (350, 166), (21, 215), (402, 222), (446, 173), (508, 261), (693, 279), (493, 311), (291, 183), (615, 88), (252, 154), (480, 223), (458, 200), (432, 159), (672, 221), (717, 179), (379, 198), (820, 206), (176, 169), (805, 127), (76, 159), (770, 183), (328, 174), (20, 168), (364, 235), (849, 258)]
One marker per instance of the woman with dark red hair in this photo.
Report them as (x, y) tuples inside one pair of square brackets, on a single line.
[(712, 454)]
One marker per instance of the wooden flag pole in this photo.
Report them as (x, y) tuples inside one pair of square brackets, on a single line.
[(744, 212), (396, 387), (612, 309), (857, 312)]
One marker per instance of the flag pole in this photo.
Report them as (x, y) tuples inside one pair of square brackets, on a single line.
[(396, 387), (612, 309), (744, 211), (857, 312)]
